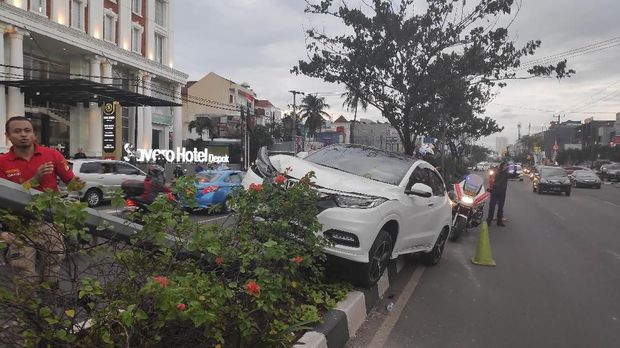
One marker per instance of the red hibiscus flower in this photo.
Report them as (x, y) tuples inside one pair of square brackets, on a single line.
[(256, 187), (298, 259), (253, 288), (280, 179), (162, 280), (219, 260), (181, 306)]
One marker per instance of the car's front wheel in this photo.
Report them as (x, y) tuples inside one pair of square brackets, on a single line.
[(378, 256), (432, 257), (93, 197)]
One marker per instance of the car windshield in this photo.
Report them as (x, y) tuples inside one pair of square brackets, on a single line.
[(364, 161), (553, 172), (614, 166)]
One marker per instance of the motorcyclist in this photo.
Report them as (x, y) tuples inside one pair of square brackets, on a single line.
[(178, 172), (154, 184)]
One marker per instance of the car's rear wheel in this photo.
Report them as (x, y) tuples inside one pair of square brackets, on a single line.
[(93, 197), (378, 256), (432, 257)]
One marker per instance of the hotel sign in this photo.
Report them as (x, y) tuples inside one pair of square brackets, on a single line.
[(111, 130)]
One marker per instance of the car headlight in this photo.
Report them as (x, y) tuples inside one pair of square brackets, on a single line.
[(467, 200), (358, 202)]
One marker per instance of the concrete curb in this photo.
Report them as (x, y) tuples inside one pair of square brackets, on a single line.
[(342, 322)]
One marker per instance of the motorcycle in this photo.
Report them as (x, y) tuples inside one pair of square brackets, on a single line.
[(133, 192), (467, 201)]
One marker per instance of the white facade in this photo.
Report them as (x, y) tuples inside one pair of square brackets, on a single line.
[(106, 41), (500, 144)]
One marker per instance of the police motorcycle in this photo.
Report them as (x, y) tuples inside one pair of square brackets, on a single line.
[(467, 201)]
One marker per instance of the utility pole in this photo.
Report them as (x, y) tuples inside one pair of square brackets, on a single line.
[(295, 93), (519, 131)]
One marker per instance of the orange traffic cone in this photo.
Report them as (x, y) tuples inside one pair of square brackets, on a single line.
[(483, 251)]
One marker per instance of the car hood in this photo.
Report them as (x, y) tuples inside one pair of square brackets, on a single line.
[(334, 179)]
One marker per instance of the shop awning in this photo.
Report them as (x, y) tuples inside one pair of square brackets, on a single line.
[(73, 91)]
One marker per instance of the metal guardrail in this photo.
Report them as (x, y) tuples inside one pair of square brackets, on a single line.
[(15, 198)]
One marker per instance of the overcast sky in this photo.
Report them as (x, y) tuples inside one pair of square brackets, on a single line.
[(259, 41)]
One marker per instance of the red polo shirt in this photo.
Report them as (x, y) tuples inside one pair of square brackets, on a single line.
[(18, 170)]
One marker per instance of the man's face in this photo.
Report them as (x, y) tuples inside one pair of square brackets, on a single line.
[(21, 134)]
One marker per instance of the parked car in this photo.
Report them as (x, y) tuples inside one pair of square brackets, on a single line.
[(482, 166), (551, 179), (215, 187), (102, 177), (610, 171), (570, 169), (586, 178), (375, 205)]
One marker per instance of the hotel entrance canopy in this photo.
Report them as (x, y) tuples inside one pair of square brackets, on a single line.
[(73, 91)]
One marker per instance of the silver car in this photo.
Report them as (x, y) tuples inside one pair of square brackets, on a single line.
[(102, 178), (586, 178)]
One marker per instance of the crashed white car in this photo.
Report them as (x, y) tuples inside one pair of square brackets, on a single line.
[(375, 205)]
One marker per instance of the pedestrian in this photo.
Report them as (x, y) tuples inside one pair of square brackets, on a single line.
[(178, 172), (498, 183), (34, 258), (79, 154)]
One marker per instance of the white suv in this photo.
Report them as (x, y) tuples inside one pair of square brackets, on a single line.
[(375, 205), (102, 178)]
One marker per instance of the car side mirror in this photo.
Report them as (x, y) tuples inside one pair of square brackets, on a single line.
[(421, 190)]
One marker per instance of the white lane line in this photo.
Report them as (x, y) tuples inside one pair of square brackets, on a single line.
[(614, 254), (559, 216), (213, 219), (392, 318), (611, 203)]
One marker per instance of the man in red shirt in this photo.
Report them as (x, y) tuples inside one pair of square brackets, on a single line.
[(35, 166)]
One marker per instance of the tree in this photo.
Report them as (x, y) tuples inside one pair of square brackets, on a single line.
[(405, 61), (259, 137), (312, 110), (352, 100), (201, 124), (477, 153)]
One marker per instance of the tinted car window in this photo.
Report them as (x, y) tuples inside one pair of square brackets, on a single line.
[(234, 179), (126, 169), (109, 168), (364, 161), (553, 172), (420, 176), (584, 173), (439, 189), (91, 167)]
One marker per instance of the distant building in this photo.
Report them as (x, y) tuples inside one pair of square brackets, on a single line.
[(500, 145), (596, 132), (379, 135), (219, 99), (266, 112), (343, 127)]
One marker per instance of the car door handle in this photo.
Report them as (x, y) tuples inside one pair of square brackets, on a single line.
[(430, 204)]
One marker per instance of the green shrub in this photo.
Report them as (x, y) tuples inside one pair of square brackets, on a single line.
[(256, 283)]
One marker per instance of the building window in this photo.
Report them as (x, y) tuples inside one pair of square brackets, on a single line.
[(160, 49), (136, 7), (160, 12), (77, 14), (39, 7), (109, 26), (136, 38)]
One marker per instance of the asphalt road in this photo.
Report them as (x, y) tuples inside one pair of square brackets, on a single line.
[(556, 284)]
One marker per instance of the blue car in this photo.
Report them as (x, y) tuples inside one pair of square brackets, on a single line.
[(214, 187)]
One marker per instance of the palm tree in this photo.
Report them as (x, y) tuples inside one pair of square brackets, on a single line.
[(201, 124), (311, 110), (352, 100)]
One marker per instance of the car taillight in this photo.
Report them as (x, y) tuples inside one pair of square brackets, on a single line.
[(130, 203), (210, 189)]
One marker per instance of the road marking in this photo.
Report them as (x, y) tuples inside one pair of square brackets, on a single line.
[(559, 216), (213, 219), (610, 203), (392, 318), (614, 254)]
